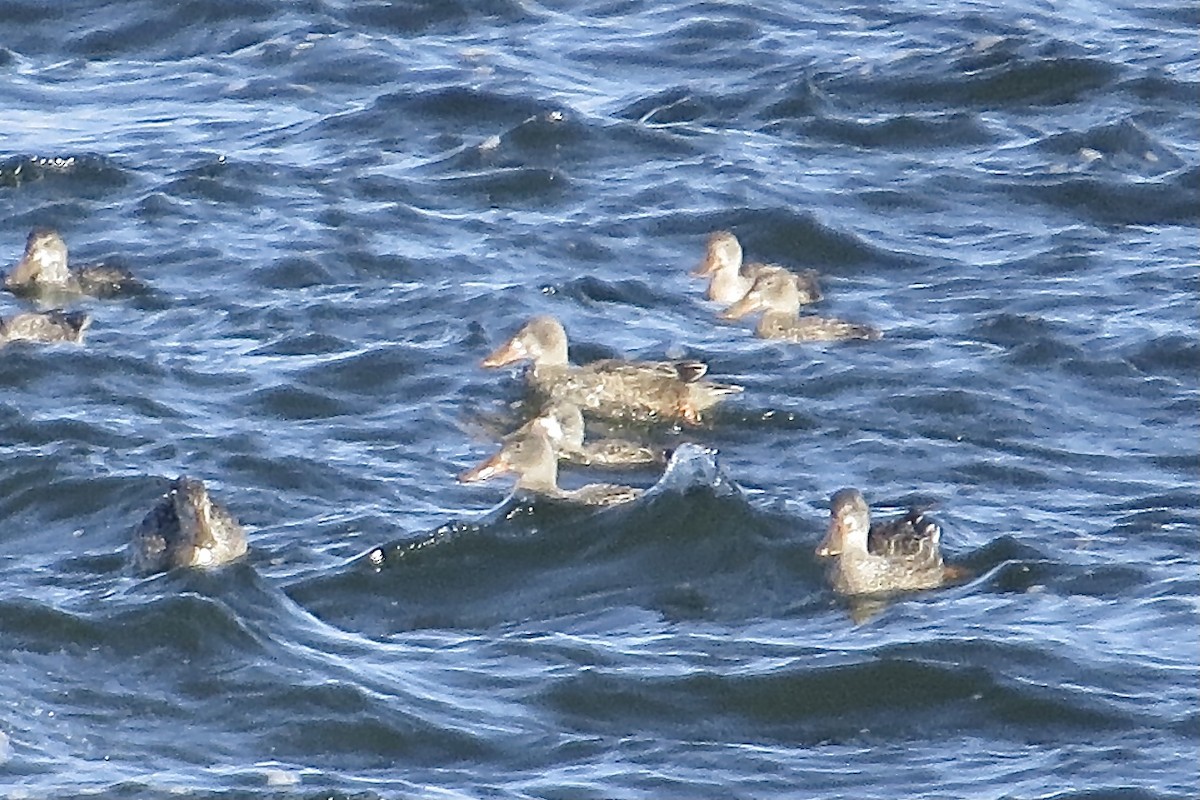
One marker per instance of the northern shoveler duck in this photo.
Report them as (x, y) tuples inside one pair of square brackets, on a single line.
[(45, 326), (532, 458), (731, 279), (643, 391), (186, 529), (43, 269), (776, 296), (897, 555), (563, 423)]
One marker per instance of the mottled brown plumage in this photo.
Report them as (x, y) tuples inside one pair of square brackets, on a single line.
[(532, 458), (775, 295), (187, 528), (45, 326), (897, 555), (43, 270), (643, 391), (730, 278)]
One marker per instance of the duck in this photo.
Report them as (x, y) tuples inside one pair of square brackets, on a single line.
[(532, 458), (898, 555), (187, 528), (43, 269), (563, 423), (777, 297), (637, 391), (731, 278), (45, 326)]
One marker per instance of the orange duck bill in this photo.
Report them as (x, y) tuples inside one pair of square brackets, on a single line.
[(496, 465), (741, 308), (507, 353), (831, 545)]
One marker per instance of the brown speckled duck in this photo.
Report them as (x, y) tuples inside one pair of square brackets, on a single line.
[(897, 555), (642, 391), (776, 296), (186, 529), (45, 326), (563, 423), (532, 458), (43, 269), (731, 279)]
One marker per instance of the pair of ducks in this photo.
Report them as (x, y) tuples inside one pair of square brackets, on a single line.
[(774, 290), (43, 274), (611, 389)]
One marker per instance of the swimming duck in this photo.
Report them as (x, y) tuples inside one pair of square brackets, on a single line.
[(45, 326), (731, 279), (893, 556), (186, 529), (532, 458), (563, 423), (624, 390), (776, 296), (43, 268)]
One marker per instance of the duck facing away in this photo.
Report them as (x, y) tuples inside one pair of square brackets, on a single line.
[(730, 279), (45, 326), (563, 423), (776, 296), (186, 529), (641, 391), (897, 555), (532, 458), (43, 268)]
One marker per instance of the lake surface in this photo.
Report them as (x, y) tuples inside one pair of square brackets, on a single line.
[(341, 207)]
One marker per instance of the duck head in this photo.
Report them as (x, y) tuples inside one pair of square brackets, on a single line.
[(773, 290), (723, 251), (542, 340), (530, 457), (849, 524), (44, 261)]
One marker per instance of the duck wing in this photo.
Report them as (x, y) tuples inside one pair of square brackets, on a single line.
[(913, 537), (811, 328), (102, 280)]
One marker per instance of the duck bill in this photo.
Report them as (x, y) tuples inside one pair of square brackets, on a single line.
[(831, 545), (740, 309), (22, 273), (507, 353), (494, 466), (707, 267)]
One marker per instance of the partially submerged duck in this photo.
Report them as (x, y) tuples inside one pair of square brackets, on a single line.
[(187, 529), (563, 423), (897, 555), (44, 326), (43, 268), (776, 296), (532, 458), (612, 388), (731, 278)]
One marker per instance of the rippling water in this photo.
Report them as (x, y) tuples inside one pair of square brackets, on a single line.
[(342, 206)]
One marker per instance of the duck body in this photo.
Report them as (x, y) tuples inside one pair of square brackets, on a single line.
[(899, 555), (639, 391), (43, 269), (532, 458), (777, 298), (45, 326), (186, 529), (730, 278), (788, 327), (563, 423)]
